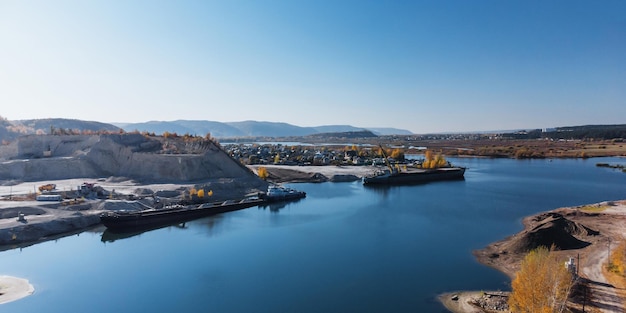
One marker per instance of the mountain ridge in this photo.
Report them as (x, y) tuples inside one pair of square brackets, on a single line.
[(249, 128)]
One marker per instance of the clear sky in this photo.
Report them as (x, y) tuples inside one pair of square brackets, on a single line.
[(425, 66)]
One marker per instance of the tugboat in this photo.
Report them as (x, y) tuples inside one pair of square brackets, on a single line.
[(278, 193)]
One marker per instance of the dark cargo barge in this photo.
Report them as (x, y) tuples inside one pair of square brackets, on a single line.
[(415, 176), (134, 220)]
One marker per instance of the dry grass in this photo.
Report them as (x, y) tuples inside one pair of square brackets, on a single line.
[(594, 208), (527, 148)]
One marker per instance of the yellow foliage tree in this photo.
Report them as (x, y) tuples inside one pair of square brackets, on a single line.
[(617, 261), (440, 161), (262, 172), (397, 154), (541, 285), (433, 161)]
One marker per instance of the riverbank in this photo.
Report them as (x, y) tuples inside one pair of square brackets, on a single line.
[(315, 174), (14, 288), (47, 220), (473, 301), (582, 232)]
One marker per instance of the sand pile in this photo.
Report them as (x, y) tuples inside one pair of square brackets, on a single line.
[(551, 229), (14, 212), (289, 175), (140, 158)]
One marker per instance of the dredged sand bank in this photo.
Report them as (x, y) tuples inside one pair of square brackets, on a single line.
[(14, 288)]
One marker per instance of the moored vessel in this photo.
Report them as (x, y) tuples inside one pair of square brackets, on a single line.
[(131, 220), (278, 193), (432, 169), (415, 176)]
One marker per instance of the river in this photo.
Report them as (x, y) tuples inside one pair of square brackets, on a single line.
[(345, 248)]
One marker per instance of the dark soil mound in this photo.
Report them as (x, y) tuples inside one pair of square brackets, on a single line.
[(281, 175), (552, 229), (14, 212)]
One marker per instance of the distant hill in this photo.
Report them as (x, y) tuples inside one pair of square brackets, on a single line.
[(348, 135), (45, 124), (337, 129), (574, 132), (249, 128), (9, 130), (193, 127), (271, 129), (389, 131)]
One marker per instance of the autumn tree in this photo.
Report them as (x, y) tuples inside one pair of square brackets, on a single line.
[(542, 285), (262, 172), (433, 161), (617, 263), (397, 154)]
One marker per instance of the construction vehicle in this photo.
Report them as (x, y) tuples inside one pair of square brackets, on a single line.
[(47, 187)]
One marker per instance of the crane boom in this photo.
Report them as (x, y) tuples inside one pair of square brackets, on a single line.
[(382, 150)]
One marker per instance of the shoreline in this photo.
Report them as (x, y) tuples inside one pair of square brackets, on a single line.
[(610, 222), (14, 288), (461, 301), (606, 222)]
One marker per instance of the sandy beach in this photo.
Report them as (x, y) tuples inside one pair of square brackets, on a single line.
[(14, 288)]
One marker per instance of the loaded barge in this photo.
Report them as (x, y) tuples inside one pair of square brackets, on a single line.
[(415, 176), (145, 219), (123, 221), (393, 175)]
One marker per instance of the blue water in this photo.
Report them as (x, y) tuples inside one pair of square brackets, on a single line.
[(345, 248)]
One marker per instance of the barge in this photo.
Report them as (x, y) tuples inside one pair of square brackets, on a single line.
[(146, 219), (415, 176)]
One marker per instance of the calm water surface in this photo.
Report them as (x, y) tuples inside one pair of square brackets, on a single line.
[(345, 248)]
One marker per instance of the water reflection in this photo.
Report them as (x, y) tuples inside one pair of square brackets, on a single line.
[(385, 190), (210, 223), (111, 235), (277, 206)]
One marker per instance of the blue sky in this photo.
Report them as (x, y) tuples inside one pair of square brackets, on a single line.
[(425, 66)]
